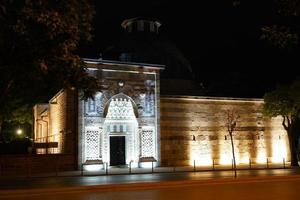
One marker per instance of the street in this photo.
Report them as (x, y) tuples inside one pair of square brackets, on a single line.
[(279, 188)]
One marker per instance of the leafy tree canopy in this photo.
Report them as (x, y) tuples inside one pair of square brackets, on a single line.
[(38, 43), (285, 34), (285, 101)]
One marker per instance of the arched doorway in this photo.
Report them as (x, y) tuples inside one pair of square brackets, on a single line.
[(120, 138)]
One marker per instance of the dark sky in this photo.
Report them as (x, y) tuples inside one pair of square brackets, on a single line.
[(221, 41)]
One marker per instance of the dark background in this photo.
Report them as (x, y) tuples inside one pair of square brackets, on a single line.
[(220, 39)]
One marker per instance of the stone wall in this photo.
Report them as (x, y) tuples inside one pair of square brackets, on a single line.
[(108, 114), (62, 121), (57, 120), (194, 128), (41, 121)]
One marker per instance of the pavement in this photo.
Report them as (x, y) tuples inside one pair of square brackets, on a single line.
[(12, 187)]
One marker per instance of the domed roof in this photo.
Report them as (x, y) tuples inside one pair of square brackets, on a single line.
[(142, 44)]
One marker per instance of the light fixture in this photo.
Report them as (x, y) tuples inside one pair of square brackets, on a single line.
[(121, 83), (19, 131)]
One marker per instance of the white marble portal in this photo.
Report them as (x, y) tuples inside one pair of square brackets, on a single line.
[(120, 118), (121, 121), (125, 114)]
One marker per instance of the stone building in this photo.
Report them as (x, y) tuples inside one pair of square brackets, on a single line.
[(129, 122)]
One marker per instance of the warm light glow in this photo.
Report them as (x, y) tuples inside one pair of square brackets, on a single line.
[(279, 142), (92, 167), (204, 161), (279, 149), (201, 153), (261, 156), (200, 160), (225, 152), (225, 159), (19, 131), (242, 159), (57, 129)]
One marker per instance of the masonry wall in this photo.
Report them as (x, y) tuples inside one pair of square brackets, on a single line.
[(62, 122), (41, 121), (194, 129), (137, 85)]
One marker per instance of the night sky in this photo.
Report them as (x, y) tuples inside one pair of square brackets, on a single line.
[(221, 41)]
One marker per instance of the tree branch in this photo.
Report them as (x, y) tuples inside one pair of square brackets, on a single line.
[(289, 120), (283, 123), (5, 91)]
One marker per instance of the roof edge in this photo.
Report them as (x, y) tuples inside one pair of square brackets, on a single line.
[(212, 98), (132, 64)]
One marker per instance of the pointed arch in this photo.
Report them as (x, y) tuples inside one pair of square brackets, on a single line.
[(122, 99)]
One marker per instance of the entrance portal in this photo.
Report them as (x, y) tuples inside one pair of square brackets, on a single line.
[(117, 150)]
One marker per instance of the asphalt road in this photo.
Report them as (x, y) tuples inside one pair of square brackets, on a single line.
[(242, 188), (60, 182)]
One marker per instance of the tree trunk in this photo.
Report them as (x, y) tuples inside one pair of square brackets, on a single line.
[(1, 135), (293, 149), (233, 155)]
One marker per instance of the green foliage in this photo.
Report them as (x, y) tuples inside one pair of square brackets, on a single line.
[(288, 7), (280, 36), (284, 101), (38, 43), (284, 34)]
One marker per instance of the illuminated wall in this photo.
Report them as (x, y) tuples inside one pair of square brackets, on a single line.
[(56, 122), (193, 129), (127, 106), (41, 128), (57, 115), (173, 130)]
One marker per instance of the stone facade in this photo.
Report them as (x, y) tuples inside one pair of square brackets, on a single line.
[(129, 113), (194, 128), (56, 122), (126, 109)]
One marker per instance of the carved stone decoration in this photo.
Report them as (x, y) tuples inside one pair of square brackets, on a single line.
[(120, 109), (121, 121), (147, 142), (126, 102), (149, 121), (94, 107), (91, 121), (149, 99), (92, 143)]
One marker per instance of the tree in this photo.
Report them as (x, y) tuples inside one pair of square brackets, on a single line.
[(231, 122), (285, 102), (38, 43), (284, 34)]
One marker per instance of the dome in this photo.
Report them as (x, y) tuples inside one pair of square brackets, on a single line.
[(141, 42)]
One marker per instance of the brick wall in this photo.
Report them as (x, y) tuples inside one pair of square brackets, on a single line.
[(195, 129)]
